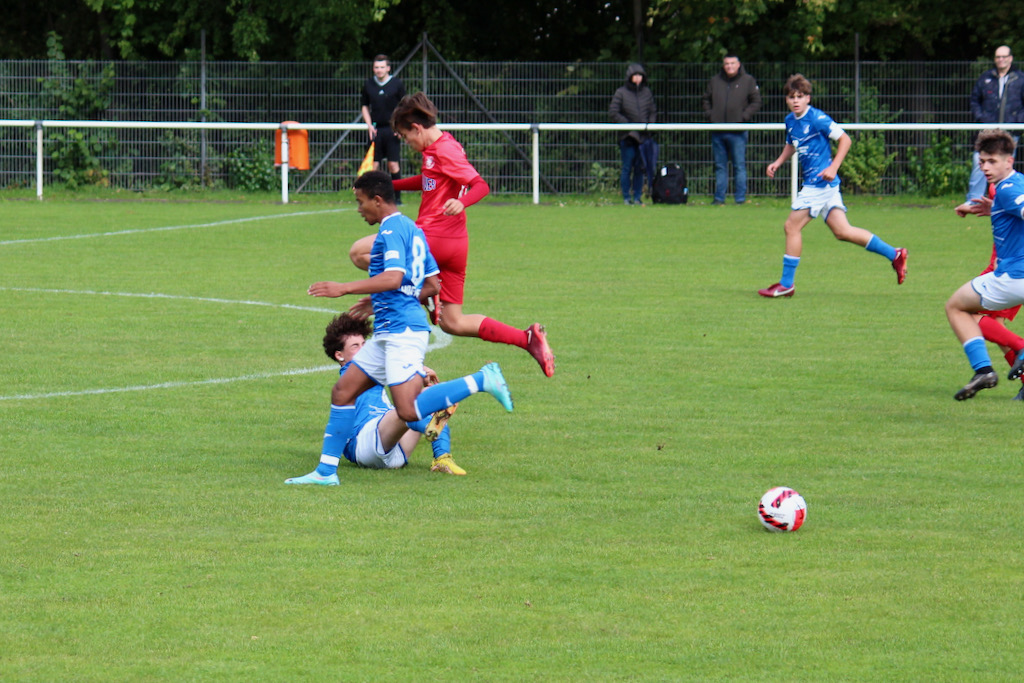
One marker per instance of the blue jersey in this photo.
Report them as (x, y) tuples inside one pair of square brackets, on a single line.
[(401, 245), (810, 134), (1008, 225), (370, 404)]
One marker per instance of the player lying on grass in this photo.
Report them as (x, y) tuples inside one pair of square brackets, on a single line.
[(379, 439), (403, 275), (991, 322), (808, 132), (450, 184), (1004, 286)]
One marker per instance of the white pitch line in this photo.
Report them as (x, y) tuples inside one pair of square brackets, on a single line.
[(137, 231), (157, 295)]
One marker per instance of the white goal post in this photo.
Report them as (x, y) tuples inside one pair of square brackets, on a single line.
[(536, 130)]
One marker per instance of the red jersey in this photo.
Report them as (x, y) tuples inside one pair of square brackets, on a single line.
[(446, 173)]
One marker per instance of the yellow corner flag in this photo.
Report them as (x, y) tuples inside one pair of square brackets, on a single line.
[(367, 164)]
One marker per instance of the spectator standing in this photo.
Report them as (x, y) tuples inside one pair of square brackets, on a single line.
[(633, 103), (732, 96), (998, 97), (381, 94)]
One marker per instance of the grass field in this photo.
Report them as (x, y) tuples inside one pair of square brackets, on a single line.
[(162, 376)]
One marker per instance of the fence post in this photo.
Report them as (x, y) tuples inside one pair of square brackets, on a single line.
[(794, 181), (535, 134), (285, 162), (39, 160)]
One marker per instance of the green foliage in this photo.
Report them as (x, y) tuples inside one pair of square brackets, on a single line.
[(865, 166), (77, 154), (251, 167), (934, 172), (178, 167), (602, 178)]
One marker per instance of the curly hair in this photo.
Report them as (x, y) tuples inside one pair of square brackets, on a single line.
[(376, 184), (415, 108), (340, 329)]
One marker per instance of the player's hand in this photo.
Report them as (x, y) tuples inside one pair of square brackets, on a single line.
[(373, 132), (829, 174), (362, 309), (430, 377), (453, 207), (331, 289), (772, 168), (982, 206)]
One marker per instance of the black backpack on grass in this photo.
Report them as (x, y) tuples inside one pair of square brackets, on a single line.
[(670, 186)]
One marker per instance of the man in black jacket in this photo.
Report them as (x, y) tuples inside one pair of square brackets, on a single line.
[(633, 103), (998, 97), (732, 96), (381, 94)]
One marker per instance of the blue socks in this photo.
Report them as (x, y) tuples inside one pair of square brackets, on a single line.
[(433, 399), (977, 354), (877, 246), (339, 427), (789, 264)]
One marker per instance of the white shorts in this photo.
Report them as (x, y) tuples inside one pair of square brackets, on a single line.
[(999, 292), (820, 200), (392, 358), (370, 451)]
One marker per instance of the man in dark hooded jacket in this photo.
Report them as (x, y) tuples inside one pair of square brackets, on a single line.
[(633, 103), (732, 96)]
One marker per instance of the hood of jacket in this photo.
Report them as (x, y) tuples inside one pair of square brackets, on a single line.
[(633, 70)]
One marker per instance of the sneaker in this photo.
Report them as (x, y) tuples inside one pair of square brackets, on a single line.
[(537, 345), (981, 380), (899, 264), (776, 291), (447, 465), (495, 385), (717, 202), (433, 307), (1017, 369), (438, 421), (314, 478)]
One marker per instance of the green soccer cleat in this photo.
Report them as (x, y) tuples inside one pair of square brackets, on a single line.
[(314, 478), (495, 385), (446, 464)]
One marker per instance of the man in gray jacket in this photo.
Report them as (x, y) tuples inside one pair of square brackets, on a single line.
[(633, 103), (732, 96)]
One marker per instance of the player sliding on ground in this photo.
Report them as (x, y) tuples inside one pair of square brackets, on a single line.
[(808, 131), (450, 184), (403, 275), (1003, 287)]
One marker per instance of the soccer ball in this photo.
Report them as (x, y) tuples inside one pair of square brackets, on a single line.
[(782, 509)]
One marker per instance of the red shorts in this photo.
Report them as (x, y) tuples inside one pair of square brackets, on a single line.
[(451, 255)]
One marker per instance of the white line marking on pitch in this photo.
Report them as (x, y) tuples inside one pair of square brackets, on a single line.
[(440, 340), (137, 231)]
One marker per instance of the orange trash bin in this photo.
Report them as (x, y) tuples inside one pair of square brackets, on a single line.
[(298, 148)]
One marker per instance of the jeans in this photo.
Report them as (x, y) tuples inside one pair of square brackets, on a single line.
[(726, 147), (977, 186), (631, 163)]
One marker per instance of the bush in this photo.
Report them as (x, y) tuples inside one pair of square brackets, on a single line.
[(933, 170)]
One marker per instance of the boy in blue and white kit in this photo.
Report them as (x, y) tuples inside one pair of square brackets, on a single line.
[(808, 132), (1004, 286), (403, 275)]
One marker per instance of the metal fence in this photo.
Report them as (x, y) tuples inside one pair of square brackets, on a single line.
[(509, 92)]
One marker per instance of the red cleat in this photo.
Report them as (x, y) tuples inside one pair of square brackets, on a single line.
[(433, 307), (537, 345), (776, 291), (899, 264)]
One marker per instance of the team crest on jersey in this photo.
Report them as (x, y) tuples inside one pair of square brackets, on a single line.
[(429, 184), (428, 162)]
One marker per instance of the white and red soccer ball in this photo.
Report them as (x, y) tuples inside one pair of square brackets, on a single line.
[(782, 509)]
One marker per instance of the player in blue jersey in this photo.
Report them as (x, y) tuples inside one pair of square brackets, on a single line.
[(403, 275), (379, 438), (1004, 286), (808, 132)]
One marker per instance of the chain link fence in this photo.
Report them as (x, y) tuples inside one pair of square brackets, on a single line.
[(465, 92)]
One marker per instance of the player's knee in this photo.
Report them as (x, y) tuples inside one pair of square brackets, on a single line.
[(407, 412)]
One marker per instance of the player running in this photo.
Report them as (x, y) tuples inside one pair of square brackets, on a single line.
[(450, 184), (808, 131)]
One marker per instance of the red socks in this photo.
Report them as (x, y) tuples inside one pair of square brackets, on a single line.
[(995, 332), (498, 332)]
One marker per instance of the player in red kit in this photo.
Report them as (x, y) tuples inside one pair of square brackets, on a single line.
[(450, 184)]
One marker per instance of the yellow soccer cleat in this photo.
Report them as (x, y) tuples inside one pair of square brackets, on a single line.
[(446, 464), (438, 421)]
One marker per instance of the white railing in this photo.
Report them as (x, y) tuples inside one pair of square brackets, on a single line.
[(535, 128)]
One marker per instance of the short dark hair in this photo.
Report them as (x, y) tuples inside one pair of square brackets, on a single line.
[(382, 58), (797, 83), (341, 328), (415, 108), (376, 184), (995, 141), (731, 55)]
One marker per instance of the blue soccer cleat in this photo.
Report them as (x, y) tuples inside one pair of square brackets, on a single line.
[(314, 478), (496, 386)]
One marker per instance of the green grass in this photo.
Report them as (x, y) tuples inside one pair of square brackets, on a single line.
[(607, 529)]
